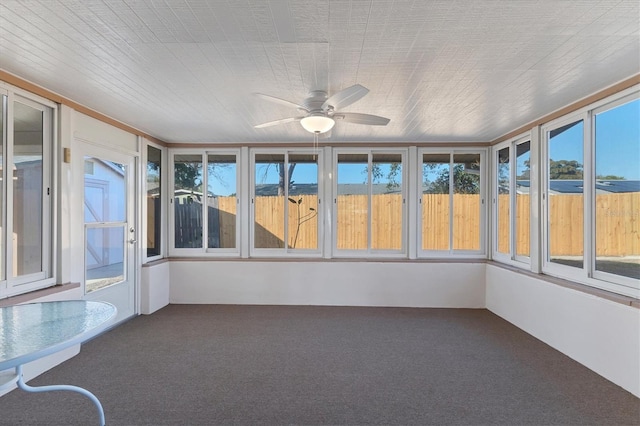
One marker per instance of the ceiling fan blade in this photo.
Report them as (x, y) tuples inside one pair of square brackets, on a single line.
[(354, 117), (281, 101), (276, 122), (345, 97)]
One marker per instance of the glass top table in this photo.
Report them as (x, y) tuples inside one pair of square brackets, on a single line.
[(32, 331)]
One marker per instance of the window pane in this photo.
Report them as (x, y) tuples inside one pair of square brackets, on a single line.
[(523, 209), (352, 202), (503, 201), (466, 202), (221, 200), (26, 175), (386, 203), (270, 176), (187, 199), (154, 189), (303, 201), (435, 201), (617, 186), (565, 196)]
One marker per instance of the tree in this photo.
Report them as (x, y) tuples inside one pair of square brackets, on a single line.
[(565, 169), (464, 182), (377, 174), (609, 177), (280, 169)]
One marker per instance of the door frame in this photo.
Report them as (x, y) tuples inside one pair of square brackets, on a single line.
[(131, 255)]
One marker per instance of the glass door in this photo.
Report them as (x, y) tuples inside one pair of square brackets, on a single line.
[(110, 236)]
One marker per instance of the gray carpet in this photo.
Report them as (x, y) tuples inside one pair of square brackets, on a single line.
[(282, 365)]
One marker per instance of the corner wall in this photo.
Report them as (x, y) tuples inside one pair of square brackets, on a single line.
[(600, 334)]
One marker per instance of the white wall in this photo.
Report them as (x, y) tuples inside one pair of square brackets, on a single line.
[(346, 283), (154, 287), (601, 334)]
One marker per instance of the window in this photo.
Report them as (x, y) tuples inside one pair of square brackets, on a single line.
[(370, 202), (617, 189), (451, 203), (591, 212), (285, 202), (522, 219), (222, 201), (564, 192), (154, 204), (511, 201), (205, 203), (25, 195)]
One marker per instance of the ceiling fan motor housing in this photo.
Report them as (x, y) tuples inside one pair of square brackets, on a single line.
[(314, 102)]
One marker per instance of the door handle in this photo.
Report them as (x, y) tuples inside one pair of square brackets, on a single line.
[(132, 241)]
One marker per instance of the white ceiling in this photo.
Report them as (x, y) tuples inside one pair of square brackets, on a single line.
[(186, 70)]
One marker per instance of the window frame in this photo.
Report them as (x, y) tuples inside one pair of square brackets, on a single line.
[(594, 273), (548, 267), (46, 277), (369, 252), (258, 252), (163, 202), (204, 250), (587, 274), (512, 257), (451, 252)]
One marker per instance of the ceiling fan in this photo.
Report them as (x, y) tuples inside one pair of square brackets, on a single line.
[(321, 111)]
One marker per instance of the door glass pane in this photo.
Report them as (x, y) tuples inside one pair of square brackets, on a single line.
[(352, 209), (105, 198), (104, 257), (523, 206), (386, 203), (435, 201), (565, 195), (466, 202), (104, 191), (270, 181), (26, 176), (503, 201), (617, 187), (187, 200), (221, 200), (154, 191), (303, 202)]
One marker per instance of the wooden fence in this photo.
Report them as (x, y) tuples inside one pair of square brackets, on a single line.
[(617, 223)]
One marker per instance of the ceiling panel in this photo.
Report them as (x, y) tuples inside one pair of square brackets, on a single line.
[(187, 70)]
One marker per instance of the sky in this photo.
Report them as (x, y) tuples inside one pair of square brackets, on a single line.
[(617, 153)]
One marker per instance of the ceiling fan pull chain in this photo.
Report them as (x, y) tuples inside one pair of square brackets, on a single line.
[(315, 145)]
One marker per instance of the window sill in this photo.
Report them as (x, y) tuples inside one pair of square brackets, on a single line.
[(614, 297)]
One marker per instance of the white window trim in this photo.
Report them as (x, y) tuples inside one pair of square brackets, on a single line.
[(47, 276), (370, 253), (163, 201), (202, 251), (233, 251), (548, 267), (587, 274), (285, 252), (510, 258), (484, 178)]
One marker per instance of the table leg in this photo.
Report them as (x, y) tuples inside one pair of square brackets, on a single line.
[(22, 385)]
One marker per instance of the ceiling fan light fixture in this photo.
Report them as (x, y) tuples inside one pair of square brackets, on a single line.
[(317, 123)]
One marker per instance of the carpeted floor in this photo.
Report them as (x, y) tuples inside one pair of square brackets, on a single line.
[(303, 365)]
